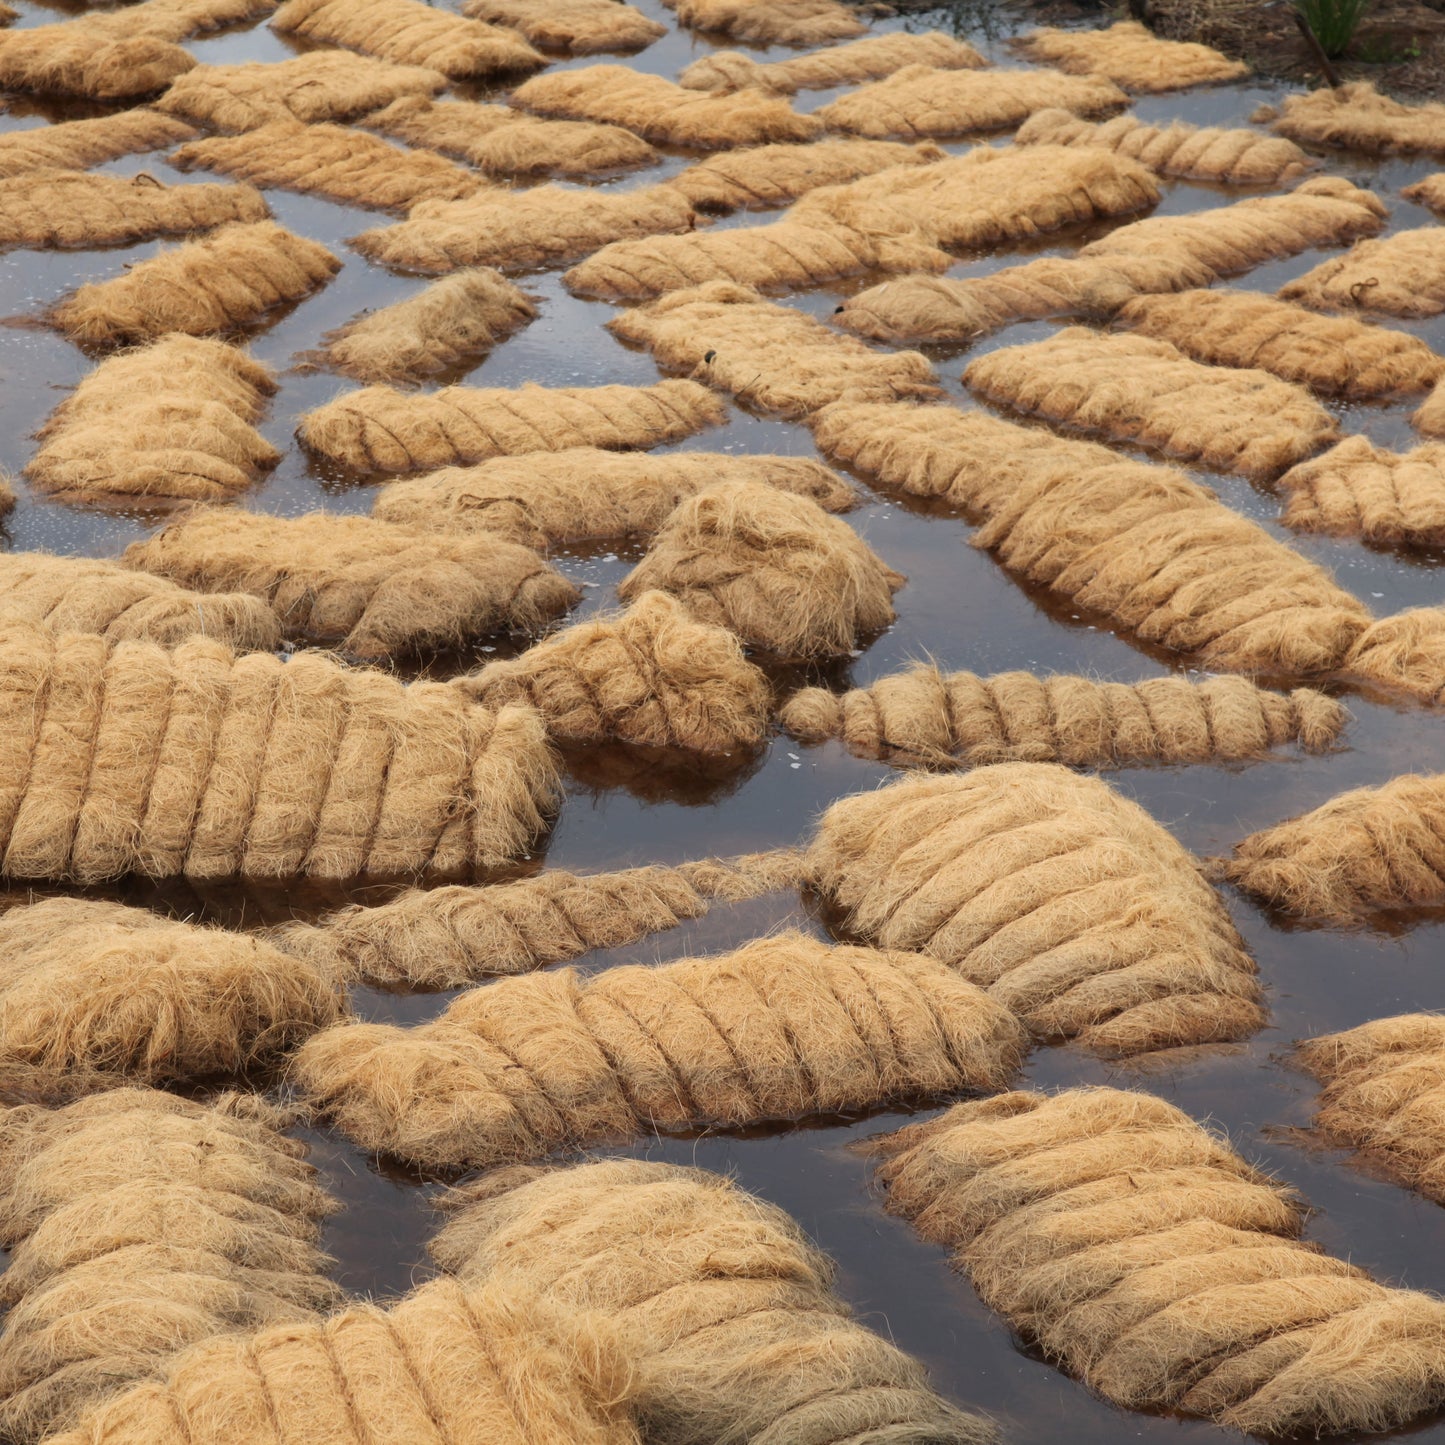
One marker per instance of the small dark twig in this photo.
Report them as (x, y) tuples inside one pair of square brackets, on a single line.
[(1331, 75)]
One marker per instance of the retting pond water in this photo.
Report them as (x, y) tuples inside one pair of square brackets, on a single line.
[(959, 608)]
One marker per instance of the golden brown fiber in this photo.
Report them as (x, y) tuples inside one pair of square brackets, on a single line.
[(923, 717), (780, 1029), (78, 144), (1429, 192), (838, 65), (576, 27), (1404, 654), (739, 1330), (1146, 1257), (1429, 417), (125, 758), (1356, 489), (1400, 275), (1355, 116), (771, 22), (1132, 56)]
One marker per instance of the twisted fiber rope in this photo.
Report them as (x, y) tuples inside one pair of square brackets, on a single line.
[(1400, 275), (1359, 490), (1131, 55), (580, 27), (776, 22), (1355, 116), (76, 144)]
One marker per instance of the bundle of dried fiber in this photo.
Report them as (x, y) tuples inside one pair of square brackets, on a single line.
[(837, 66), (7, 495), (522, 229), (1357, 117), (452, 321), (227, 280), (782, 1028), (444, 1363), (318, 86), (504, 142), (1226, 157), (409, 32), (771, 567), (1134, 389), (741, 1333), (1404, 654), (126, 758), (72, 209), (771, 22), (78, 144), (658, 110), (576, 27), (91, 989), (139, 1224), (450, 937), (1356, 489), (168, 420), (1429, 417), (380, 429), (1144, 546), (1401, 275), (919, 101), (924, 717), (582, 494), (372, 588), (336, 161), (1141, 1253), (1132, 56), (1429, 193), (84, 594)]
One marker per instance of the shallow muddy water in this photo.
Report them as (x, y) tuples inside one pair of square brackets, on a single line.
[(959, 608)]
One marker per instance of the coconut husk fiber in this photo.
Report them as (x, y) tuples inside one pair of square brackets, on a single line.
[(380, 429), (7, 496), (444, 1363), (781, 1028), (321, 85), (1429, 193), (1135, 389), (171, 420), (1179, 150), (1356, 117), (1403, 654), (1146, 1257), (923, 717), (574, 27), (665, 113), (837, 66), (85, 594), (1392, 499), (449, 937), (771, 22), (72, 210), (231, 279), (740, 1333), (409, 32), (78, 144), (506, 143), (1429, 417), (140, 1223), (650, 675), (1401, 275), (124, 758), (771, 567), (451, 322), (549, 499), (1109, 534), (372, 588), (918, 101), (91, 989), (1131, 55), (522, 229)]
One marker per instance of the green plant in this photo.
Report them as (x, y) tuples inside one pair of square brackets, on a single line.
[(1333, 22)]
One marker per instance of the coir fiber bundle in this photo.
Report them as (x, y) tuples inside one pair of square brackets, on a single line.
[(91, 989), (771, 22), (124, 758), (380, 429), (1394, 499), (1401, 275), (522, 229), (230, 279), (444, 1363), (449, 937), (1429, 417), (70, 209), (78, 144), (453, 321), (546, 499), (575, 27), (1131, 55), (923, 717), (506, 143), (771, 567), (782, 1028), (409, 32), (372, 588), (1362, 851), (1143, 1255), (85, 594), (739, 1332), (1067, 902), (658, 110), (140, 1223), (1403, 654), (1429, 193), (1181, 150), (172, 420), (1144, 546), (919, 101), (1135, 389), (321, 85), (1356, 117)]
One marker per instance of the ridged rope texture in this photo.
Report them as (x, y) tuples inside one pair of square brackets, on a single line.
[(1401, 275), (1356, 489), (1131, 55), (771, 22), (1355, 116), (79, 144)]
